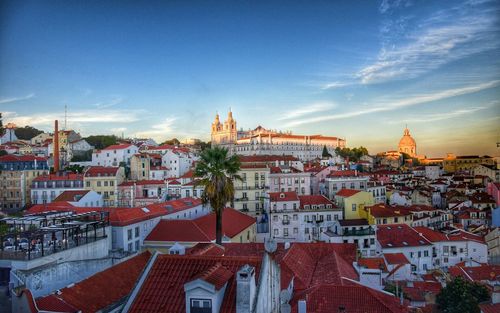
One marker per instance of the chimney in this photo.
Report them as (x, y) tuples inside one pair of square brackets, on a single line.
[(245, 289), (302, 306), (56, 147), (495, 296)]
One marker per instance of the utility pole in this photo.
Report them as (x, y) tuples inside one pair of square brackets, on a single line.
[(65, 116)]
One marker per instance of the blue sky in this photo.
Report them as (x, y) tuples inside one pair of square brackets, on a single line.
[(162, 69)]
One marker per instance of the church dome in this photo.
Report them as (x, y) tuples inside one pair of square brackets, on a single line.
[(407, 144)]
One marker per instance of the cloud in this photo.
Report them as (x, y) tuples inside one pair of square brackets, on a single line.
[(83, 116), (15, 99), (439, 116), (388, 5), (159, 131), (388, 104), (306, 110), (445, 36), (333, 85), (112, 102)]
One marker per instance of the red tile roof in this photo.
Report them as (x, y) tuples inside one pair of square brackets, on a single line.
[(96, 171), (163, 288), (352, 299), (104, 288), (460, 235), (71, 195), (179, 205), (490, 308), (64, 176), (142, 183), (315, 200), (216, 275), (201, 229), (382, 210), (346, 173), (399, 235), (283, 196), (373, 263), (118, 147), (476, 273), (54, 304), (21, 158), (396, 258), (346, 193)]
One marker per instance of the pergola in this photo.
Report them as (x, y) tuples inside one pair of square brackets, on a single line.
[(37, 235)]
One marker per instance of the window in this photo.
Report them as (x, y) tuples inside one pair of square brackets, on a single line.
[(328, 217), (295, 230), (285, 232), (99, 184), (426, 253), (295, 217), (354, 207), (201, 306), (129, 234), (137, 231), (87, 184), (275, 218), (276, 232), (137, 245), (129, 247)]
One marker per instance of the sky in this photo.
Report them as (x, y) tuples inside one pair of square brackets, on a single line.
[(360, 70)]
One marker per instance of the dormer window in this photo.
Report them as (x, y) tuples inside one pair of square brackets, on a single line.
[(282, 195), (201, 306)]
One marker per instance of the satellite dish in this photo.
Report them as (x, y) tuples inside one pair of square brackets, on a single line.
[(285, 296), (270, 245)]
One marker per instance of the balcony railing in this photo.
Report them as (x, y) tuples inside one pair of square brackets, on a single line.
[(358, 232)]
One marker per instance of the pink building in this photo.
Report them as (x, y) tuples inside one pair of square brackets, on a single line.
[(493, 190)]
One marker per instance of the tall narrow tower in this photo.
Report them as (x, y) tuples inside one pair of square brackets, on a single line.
[(56, 146)]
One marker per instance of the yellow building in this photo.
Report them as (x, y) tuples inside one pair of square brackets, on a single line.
[(381, 214), (140, 166), (453, 163), (353, 202), (224, 133), (249, 193), (104, 181)]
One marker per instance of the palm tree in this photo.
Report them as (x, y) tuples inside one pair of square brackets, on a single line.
[(217, 172)]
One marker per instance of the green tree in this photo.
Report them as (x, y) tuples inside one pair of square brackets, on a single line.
[(102, 141), (461, 296), (27, 132), (172, 142), (217, 172), (74, 168), (3, 152), (325, 153), (83, 157)]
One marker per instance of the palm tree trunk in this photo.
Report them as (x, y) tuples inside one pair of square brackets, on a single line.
[(218, 226)]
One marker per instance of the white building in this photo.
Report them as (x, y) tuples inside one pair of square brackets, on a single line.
[(295, 218), (401, 238), (338, 180), (81, 198), (80, 145), (113, 155), (46, 188), (177, 161), (378, 191), (287, 178), (455, 247), (356, 231)]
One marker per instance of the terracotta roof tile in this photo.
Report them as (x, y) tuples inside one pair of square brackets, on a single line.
[(71, 195), (283, 196), (346, 193), (104, 288)]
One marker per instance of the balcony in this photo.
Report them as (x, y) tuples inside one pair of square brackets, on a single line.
[(286, 222), (359, 232)]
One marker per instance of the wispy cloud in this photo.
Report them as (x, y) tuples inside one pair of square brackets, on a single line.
[(427, 118), (306, 110), (388, 104), (388, 5), (159, 131), (333, 85), (445, 36), (111, 102), (83, 116), (15, 99)]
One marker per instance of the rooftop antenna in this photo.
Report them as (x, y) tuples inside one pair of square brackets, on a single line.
[(65, 116)]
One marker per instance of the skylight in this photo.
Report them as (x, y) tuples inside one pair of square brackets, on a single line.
[(146, 210)]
